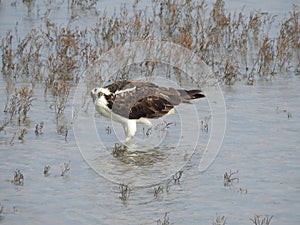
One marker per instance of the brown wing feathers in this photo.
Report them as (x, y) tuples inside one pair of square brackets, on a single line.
[(145, 99), (150, 107)]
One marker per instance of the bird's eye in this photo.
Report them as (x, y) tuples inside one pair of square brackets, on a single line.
[(100, 94)]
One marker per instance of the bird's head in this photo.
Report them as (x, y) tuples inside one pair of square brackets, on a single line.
[(98, 92)]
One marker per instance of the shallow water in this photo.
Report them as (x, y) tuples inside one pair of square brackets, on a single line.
[(261, 142)]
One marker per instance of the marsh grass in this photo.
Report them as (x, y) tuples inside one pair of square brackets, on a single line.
[(16, 112), (19, 104), (119, 150), (164, 220), (22, 134), (229, 178), (261, 220), (11, 142), (205, 123), (55, 53), (176, 177), (18, 178), (84, 4), (219, 220), (124, 192), (46, 170), (64, 169), (108, 129), (38, 128), (237, 46)]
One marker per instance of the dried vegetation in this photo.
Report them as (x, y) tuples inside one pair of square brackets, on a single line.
[(237, 46)]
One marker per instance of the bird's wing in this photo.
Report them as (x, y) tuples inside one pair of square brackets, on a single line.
[(150, 107), (136, 99)]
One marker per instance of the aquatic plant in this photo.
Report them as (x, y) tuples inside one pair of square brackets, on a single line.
[(236, 45), (242, 190), (219, 220), (204, 124), (176, 177), (46, 170), (11, 142), (124, 192), (228, 178), (38, 128), (261, 220), (18, 178), (164, 221), (65, 169), (119, 150), (216, 36), (5, 122), (21, 136), (84, 4), (108, 129), (158, 191), (60, 91), (19, 104)]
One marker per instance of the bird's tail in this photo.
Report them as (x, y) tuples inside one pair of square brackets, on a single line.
[(191, 94)]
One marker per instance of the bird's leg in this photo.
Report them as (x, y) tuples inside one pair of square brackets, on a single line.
[(129, 129)]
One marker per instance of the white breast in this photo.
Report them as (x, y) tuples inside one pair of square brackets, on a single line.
[(102, 108)]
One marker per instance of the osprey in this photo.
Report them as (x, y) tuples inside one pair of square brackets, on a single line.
[(132, 102)]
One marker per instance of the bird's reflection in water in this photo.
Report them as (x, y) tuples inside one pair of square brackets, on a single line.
[(139, 155)]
